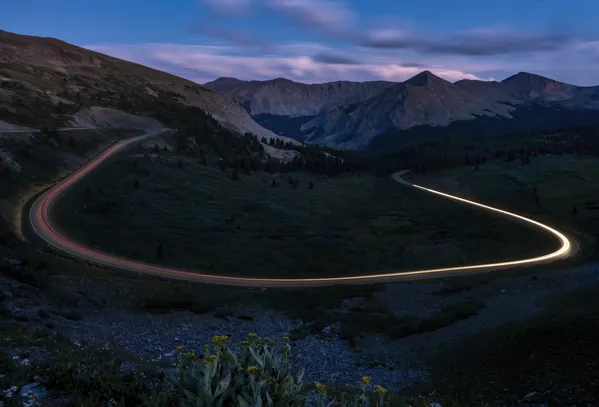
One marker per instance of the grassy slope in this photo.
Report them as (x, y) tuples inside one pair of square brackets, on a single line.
[(41, 161), (345, 225), (562, 182), (41, 158)]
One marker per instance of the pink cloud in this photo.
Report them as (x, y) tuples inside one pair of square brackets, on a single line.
[(204, 63)]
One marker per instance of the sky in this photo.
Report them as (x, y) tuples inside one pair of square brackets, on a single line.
[(317, 41)]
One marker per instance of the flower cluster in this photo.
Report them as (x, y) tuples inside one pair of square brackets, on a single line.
[(257, 369), (219, 340), (209, 358), (253, 370)]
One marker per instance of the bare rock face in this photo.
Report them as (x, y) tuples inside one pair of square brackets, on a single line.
[(282, 97), (423, 99)]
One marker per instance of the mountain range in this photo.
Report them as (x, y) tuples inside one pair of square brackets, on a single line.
[(45, 81), (359, 114)]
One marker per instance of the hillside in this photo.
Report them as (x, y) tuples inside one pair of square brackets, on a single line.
[(45, 81), (352, 115)]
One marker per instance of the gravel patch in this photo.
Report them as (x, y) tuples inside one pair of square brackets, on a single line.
[(154, 337)]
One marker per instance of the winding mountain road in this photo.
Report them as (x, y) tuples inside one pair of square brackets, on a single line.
[(42, 225)]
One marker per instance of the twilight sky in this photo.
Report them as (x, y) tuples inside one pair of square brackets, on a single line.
[(327, 40)]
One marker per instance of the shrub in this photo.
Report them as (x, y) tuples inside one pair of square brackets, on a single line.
[(258, 373)]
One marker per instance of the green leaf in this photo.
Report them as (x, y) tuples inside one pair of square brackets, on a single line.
[(241, 401), (258, 359), (223, 385)]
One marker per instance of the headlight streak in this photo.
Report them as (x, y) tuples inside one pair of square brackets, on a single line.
[(39, 219)]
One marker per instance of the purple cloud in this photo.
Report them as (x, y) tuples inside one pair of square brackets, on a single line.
[(239, 37), (412, 65), (325, 16), (483, 42), (334, 59), (205, 63)]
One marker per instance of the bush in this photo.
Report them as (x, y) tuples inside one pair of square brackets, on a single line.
[(258, 373)]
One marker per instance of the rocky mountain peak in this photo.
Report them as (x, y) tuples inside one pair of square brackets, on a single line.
[(425, 78)]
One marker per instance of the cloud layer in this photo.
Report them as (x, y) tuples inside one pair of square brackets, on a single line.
[(316, 63), (300, 62), (325, 40)]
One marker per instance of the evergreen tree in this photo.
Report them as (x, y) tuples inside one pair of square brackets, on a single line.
[(160, 252), (72, 143), (537, 199)]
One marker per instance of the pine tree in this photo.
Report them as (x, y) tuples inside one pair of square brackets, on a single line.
[(160, 252)]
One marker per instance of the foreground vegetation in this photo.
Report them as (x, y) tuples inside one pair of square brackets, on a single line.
[(254, 372)]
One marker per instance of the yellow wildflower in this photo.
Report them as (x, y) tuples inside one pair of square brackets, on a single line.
[(320, 387), (219, 340), (190, 356), (244, 343), (206, 347), (286, 340), (253, 336), (253, 370), (366, 379), (381, 390), (180, 348), (208, 358)]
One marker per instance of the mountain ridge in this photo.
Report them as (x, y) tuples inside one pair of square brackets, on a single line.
[(351, 118), (53, 80)]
